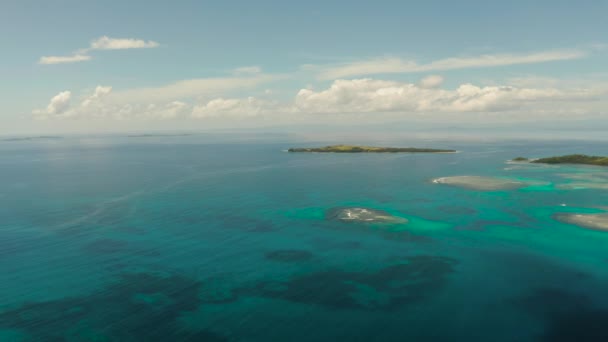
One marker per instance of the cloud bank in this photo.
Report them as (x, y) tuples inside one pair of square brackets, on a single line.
[(195, 98), (357, 96), (369, 95)]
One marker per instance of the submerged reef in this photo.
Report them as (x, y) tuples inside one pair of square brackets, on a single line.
[(577, 181), (137, 307), (391, 288), (589, 221), (482, 183), (366, 215)]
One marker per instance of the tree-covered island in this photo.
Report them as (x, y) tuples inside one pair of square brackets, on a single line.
[(369, 149), (573, 159)]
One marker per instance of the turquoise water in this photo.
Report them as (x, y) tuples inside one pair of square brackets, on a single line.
[(182, 239)]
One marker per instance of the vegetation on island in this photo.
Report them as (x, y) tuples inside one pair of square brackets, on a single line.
[(368, 149), (520, 159), (568, 159), (574, 159)]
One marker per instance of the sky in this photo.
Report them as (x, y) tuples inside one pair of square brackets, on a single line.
[(114, 66)]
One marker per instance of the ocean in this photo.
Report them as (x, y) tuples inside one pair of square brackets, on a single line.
[(152, 238)]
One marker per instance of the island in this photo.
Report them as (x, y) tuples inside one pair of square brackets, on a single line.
[(573, 159), (41, 137), (369, 149), (363, 215), (520, 159)]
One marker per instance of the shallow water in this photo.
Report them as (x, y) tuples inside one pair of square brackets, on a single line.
[(186, 239)]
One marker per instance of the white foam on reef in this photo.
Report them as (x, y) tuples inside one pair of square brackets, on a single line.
[(528, 164), (583, 185), (367, 215), (481, 182)]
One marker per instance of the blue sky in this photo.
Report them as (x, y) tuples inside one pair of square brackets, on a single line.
[(206, 64)]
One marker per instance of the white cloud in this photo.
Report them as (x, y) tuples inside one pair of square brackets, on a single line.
[(431, 81), (59, 103), (58, 106), (368, 95), (232, 107), (63, 59), (100, 93), (95, 105), (107, 43), (169, 101), (595, 81), (192, 88), (248, 70), (173, 110), (206, 98), (397, 65), (101, 43), (99, 104)]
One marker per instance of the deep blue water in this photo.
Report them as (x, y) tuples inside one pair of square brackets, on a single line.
[(171, 239)]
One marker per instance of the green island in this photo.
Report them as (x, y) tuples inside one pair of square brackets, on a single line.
[(368, 149), (574, 159)]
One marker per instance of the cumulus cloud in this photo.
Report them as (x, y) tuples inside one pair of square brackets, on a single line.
[(431, 81), (173, 110), (205, 98), (58, 106), (95, 105), (397, 65), (368, 95), (173, 100), (107, 43), (98, 95), (63, 59), (99, 104), (59, 103), (249, 106)]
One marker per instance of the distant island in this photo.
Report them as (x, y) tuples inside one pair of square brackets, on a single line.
[(158, 135), (368, 149), (570, 159), (41, 137)]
